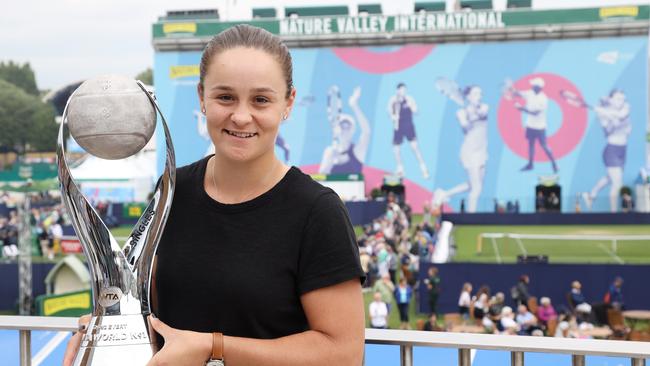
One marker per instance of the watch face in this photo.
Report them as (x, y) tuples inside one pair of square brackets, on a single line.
[(215, 363)]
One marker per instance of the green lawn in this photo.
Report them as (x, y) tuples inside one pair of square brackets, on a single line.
[(559, 251)]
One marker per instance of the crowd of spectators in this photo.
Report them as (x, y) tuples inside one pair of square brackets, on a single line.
[(46, 224), (391, 251), (528, 317)]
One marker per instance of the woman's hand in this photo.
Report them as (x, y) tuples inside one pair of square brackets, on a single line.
[(75, 341), (182, 347)]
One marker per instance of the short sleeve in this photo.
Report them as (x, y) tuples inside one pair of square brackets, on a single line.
[(328, 254)]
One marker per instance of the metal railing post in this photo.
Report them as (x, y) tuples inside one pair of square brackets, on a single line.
[(638, 362), (464, 357), (25, 347), (578, 360), (406, 355), (516, 358)]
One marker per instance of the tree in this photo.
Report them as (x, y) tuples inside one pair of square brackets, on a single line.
[(146, 76), (21, 76), (26, 123)]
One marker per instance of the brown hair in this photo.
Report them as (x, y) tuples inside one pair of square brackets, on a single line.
[(247, 36)]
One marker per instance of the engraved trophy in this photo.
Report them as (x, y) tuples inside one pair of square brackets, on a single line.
[(118, 332)]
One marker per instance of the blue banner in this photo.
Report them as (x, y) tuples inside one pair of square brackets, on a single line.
[(470, 123)]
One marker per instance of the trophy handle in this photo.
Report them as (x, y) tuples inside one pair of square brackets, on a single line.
[(106, 261), (140, 247)]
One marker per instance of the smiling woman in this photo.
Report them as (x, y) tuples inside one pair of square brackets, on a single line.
[(258, 263)]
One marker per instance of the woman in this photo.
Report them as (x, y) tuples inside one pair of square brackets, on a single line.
[(465, 300), (256, 257), (403, 294)]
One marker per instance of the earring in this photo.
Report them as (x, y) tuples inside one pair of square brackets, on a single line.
[(284, 117), (203, 110)]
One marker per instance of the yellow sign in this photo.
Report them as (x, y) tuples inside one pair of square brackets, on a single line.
[(182, 71), (621, 11), (58, 304), (179, 28), (135, 211), (318, 176)]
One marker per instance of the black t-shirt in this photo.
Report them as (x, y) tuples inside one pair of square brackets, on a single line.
[(240, 269)]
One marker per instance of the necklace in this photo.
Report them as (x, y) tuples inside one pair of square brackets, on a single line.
[(246, 197)]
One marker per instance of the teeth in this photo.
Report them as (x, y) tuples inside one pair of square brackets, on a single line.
[(240, 134)]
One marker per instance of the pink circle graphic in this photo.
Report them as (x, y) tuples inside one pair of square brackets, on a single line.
[(564, 140), (383, 62)]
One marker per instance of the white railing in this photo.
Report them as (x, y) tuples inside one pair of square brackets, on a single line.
[(637, 352), (25, 325)]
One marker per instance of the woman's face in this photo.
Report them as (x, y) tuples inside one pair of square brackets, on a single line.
[(244, 98)]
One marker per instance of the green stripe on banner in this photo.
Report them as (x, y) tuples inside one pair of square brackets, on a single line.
[(310, 26)]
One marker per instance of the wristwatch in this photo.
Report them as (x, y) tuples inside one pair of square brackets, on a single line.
[(216, 359)]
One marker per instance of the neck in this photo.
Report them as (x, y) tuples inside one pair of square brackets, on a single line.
[(234, 182)]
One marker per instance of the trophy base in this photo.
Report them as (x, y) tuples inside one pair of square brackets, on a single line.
[(116, 340)]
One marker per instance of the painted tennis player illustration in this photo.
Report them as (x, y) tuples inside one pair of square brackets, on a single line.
[(613, 112), (344, 155), (472, 117), (401, 108), (534, 107)]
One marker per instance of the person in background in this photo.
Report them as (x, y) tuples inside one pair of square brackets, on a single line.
[(432, 324), (386, 288), (545, 311), (614, 295), (526, 320), (578, 299), (378, 312), (465, 299), (480, 305), (520, 292), (433, 287), (403, 294), (507, 321), (364, 259)]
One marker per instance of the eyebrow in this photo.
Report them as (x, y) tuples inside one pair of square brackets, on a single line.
[(256, 90)]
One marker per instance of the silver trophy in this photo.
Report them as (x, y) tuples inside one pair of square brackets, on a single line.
[(118, 332)]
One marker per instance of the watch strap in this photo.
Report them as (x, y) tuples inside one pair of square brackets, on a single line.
[(217, 346)]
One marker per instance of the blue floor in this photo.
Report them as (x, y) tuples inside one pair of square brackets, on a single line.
[(376, 355)]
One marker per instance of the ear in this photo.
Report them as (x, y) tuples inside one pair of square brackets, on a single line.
[(290, 101), (199, 91)]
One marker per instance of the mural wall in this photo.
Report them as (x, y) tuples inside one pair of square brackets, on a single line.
[(470, 123)]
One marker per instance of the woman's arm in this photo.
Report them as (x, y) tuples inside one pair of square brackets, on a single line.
[(336, 318)]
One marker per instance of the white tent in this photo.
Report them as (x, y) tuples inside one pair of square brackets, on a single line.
[(129, 179)]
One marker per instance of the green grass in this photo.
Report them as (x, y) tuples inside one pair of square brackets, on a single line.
[(567, 251)]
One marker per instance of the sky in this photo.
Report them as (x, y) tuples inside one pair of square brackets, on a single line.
[(71, 40)]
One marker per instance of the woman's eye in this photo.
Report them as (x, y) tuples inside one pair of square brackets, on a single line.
[(261, 100), (225, 98)]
